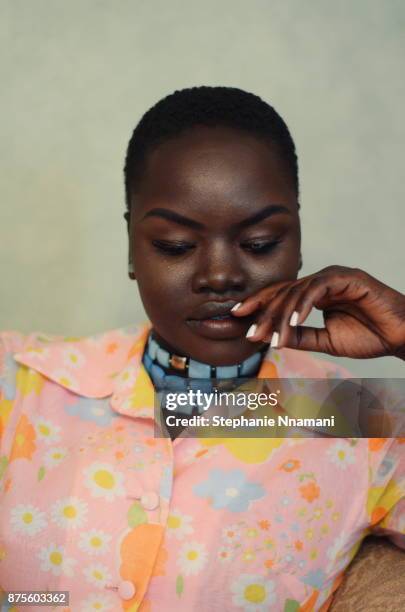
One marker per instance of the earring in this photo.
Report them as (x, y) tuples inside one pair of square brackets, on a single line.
[(130, 267)]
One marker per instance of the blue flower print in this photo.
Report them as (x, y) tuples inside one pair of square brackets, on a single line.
[(7, 380), (88, 409), (315, 578), (229, 489), (386, 466), (166, 483)]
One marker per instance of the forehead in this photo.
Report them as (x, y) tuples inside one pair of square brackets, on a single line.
[(216, 170)]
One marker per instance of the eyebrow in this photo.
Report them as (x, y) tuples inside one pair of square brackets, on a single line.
[(265, 213)]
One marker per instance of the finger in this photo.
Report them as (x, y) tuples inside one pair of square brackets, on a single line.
[(305, 338), (316, 294), (289, 318), (269, 319), (258, 300), (280, 312)]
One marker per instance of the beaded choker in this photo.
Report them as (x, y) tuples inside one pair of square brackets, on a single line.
[(194, 374)]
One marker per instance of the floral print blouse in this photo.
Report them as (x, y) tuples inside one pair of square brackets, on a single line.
[(92, 503)]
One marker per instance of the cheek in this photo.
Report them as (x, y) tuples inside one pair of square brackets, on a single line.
[(161, 284)]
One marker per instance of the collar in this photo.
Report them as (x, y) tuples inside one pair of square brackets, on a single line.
[(103, 365)]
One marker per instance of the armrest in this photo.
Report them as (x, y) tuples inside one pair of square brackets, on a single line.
[(375, 580)]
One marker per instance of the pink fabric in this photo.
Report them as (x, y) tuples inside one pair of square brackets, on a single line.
[(92, 503)]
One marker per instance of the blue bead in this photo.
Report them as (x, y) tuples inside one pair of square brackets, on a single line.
[(163, 357), (147, 361), (157, 374), (226, 372), (175, 383), (153, 347), (250, 364), (205, 386), (196, 369)]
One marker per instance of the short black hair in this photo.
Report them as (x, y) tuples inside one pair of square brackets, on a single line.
[(210, 106)]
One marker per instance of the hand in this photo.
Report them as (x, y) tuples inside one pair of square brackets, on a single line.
[(363, 318)]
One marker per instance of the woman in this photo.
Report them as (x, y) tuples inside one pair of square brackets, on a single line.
[(92, 502)]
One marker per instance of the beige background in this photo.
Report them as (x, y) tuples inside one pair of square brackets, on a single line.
[(76, 77)]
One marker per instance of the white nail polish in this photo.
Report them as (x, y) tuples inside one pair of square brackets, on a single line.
[(294, 319), (274, 340), (236, 306), (251, 331)]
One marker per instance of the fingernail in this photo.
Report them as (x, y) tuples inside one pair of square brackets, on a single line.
[(274, 340), (236, 306), (294, 319), (251, 331)]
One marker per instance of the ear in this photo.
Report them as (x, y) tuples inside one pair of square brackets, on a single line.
[(131, 273)]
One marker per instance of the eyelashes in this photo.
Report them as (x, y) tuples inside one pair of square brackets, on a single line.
[(172, 248), (176, 249), (260, 247)]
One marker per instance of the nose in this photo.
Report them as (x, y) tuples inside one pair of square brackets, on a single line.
[(219, 271)]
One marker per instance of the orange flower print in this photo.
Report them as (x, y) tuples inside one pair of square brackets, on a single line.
[(375, 444), (298, 545), (111, 348), (24, 440), (269, 563), (310, 491), (290, 465), (264, 525)]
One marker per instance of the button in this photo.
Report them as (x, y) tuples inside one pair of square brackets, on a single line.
[(150, 500), (126, 589)]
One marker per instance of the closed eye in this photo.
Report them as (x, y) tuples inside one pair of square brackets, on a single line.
[(260, 247), (172, 248)]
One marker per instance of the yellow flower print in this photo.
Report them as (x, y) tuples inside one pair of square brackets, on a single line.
[(244, 450), (318, 512), (142, 393), (24, 440), (251, 532), (309, 534), (5, 411), (29, 381), (104, 481), (248, 555)]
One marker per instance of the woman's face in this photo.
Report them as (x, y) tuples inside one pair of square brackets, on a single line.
[(214, 220)]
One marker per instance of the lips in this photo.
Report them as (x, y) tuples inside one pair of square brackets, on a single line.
[(215, 321), (213, 310)]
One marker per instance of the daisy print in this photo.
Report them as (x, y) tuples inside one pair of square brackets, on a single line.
[(27, 519), (225, 553), (253, 593), (104, 481), (97, 574), (94, 542), (192, 558), (53, 559), (341, 454), (126, 379), (97, 602), (73, 358), (54, 456), (178, 524), (65, 378), (47, 431), (232, 533), (70, 512), (41, 353)]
